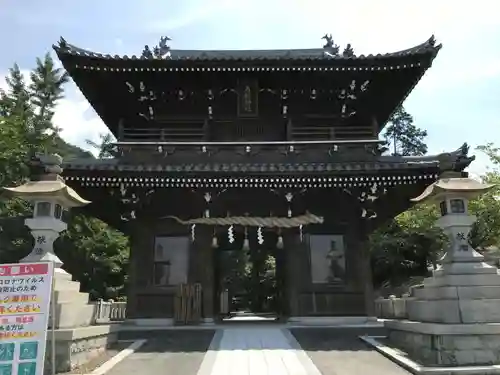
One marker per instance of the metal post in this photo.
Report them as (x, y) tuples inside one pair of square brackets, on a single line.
[(53, 327)]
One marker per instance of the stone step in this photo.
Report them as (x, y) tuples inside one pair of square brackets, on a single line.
[(466, 311), (67, 296), (454, 292), (463, 280), (69, 315), (61, 274), (67, 285)]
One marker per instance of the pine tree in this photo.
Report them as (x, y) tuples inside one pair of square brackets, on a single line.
[(403, 136), (106, 149)]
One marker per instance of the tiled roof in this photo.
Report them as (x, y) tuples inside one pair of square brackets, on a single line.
[(428, 47), (114, 165), (456, 160)]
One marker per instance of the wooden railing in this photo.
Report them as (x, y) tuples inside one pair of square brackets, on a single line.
[(185, 132), (332, 132), (229, 131)]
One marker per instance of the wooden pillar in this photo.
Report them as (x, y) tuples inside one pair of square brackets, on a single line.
[(364, 265), (368, 281), (296, 268), (132, 270), (140, 265), (205, 268)]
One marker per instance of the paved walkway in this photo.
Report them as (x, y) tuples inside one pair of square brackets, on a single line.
[(256, 351)]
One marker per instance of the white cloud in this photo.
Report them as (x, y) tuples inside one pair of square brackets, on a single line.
[(70, 116), (76, 128), (468, 31)]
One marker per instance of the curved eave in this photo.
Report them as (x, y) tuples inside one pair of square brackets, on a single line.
[(428, 48), (466, 186), (47, 189)]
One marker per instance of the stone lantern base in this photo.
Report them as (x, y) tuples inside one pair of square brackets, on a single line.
[(454, 319), (435, 344)]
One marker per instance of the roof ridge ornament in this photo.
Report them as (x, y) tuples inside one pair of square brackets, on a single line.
[(333, 50), (330, 45), (160, 51), (348, 51), (457, 160), (62, 44)]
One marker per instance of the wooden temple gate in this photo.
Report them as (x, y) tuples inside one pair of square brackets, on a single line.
[(253, 133), (246, 233)]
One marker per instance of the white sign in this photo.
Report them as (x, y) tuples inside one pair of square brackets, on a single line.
[(24, 312)]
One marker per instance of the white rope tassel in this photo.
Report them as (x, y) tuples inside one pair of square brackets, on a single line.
[(230, 234), (193, 232), (301, 233), (260, 237)]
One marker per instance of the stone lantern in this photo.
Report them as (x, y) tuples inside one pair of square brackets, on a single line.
[(453, 317), (452, 193), (50, 197)]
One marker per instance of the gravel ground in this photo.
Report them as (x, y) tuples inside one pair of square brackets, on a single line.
[(101, 359), (341, 352)]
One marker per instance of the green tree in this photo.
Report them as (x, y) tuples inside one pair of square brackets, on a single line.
[(486, 231), (403, 136), (406, 247), (94, 253), (106, 148)]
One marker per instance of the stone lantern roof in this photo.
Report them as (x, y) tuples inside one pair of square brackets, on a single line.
[(46, 182), (36, 190), (453, 183)]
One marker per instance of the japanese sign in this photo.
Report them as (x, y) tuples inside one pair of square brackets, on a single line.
[(24, 312)]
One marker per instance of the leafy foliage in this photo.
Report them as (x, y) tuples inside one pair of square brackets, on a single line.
[(407, 246), (105, 148), (403, 136), (94, 253), (410, 244)]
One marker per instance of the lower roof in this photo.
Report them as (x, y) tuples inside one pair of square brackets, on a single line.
[(457, 161)]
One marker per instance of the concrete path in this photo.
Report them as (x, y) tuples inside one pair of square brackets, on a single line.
[(256, 351)]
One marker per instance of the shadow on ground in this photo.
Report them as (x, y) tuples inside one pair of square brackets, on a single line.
[(340, 351), (172, 341), (339, 339)]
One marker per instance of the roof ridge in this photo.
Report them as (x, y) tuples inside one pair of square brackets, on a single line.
[(429, 46)]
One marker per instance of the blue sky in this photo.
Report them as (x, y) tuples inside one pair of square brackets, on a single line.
[(457, 100)]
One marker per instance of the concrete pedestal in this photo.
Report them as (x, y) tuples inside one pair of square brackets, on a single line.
[(77, 340), (435, 344), (454, 319), (77, 346)]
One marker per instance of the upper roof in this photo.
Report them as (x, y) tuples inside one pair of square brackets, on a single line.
[(366, 86), (329, 52)]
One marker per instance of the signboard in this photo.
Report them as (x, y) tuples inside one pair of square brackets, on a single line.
[(24, 312)]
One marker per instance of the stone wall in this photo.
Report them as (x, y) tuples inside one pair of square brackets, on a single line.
[(448, 350), (75, 347), (391, 308)]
